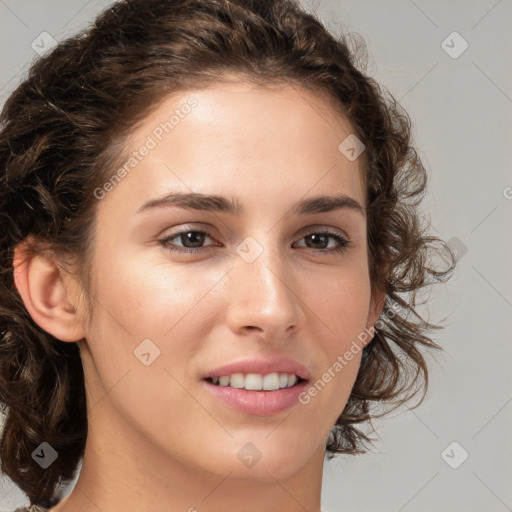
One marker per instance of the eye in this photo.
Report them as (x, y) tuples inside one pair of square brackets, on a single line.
[(322, 237), (193, 239)]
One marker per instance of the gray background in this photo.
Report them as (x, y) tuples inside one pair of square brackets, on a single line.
[(461, 109)]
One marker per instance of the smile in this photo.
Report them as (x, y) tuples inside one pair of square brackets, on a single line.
[(256, 394), (256, 381)]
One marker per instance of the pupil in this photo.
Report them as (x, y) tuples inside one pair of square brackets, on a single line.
[(190, 238), (318, 237)]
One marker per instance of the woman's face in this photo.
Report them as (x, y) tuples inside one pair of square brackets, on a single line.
[(265, 291)]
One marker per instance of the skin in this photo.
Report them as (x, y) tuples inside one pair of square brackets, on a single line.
[(157, 440)]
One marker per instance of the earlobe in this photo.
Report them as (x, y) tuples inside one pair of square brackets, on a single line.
[(39, 282)]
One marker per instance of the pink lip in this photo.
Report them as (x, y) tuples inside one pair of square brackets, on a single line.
[(257, 403), (262, 366)]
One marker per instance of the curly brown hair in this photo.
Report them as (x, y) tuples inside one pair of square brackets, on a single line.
[(61, 136)]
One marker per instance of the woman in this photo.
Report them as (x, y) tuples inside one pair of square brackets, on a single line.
[(210, 254)]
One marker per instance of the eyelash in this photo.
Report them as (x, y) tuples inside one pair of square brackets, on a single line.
[(343, 243)]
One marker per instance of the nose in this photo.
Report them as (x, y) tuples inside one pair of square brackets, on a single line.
[(265, 299)]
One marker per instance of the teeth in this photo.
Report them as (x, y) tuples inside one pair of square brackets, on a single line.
[(256, 381), (253, 381), (237, 380), (270, 382)]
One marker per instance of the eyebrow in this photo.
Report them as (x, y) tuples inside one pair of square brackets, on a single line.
[(216, 203)]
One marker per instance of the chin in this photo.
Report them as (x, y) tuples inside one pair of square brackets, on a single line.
[(263, 459)]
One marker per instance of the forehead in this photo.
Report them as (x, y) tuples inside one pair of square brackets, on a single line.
[(243, 136)]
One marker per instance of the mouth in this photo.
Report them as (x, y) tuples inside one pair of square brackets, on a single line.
[(256, 387), (256, 381)]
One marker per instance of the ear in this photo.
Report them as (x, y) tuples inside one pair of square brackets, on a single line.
[(376, 307), (44, 290)]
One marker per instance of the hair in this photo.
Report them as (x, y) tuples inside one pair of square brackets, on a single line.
[(61, 135)]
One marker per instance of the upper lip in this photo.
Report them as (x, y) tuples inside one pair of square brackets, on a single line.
[(261, 366)]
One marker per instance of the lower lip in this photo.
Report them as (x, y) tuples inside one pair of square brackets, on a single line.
[(258, 403)]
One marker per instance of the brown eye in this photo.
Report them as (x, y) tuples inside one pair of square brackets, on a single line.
[(192, 240), (322, 238)]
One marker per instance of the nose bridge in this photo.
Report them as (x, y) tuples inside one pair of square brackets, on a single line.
[(263, 291)]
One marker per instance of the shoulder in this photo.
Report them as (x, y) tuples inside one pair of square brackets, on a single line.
[(33, 508), (44, 506)]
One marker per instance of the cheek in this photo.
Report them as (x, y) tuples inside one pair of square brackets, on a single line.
[(151, 298), (154, 308), (340, 306), (340, 299), (158, 310)]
